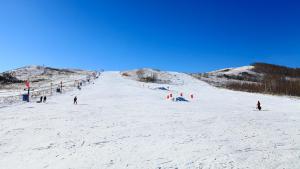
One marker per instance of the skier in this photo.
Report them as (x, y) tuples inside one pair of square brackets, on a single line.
[(45, 99), (75, 100), (258, 106)]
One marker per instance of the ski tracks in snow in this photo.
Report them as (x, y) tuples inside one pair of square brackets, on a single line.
[(118, 123)]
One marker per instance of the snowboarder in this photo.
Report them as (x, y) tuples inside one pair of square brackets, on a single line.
[(75, 100), (258, 106), (45, 99)]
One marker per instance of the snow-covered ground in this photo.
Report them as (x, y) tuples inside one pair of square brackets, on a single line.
[(121, 123)]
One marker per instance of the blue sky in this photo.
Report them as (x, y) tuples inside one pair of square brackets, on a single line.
[(179, 35)]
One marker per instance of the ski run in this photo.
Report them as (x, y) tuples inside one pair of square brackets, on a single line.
[(121, 123)]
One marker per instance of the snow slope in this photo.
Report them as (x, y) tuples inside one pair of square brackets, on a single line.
[(121, 123)]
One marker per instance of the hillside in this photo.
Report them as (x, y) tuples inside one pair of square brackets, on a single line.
[(121, 123), (148, 75), (259, 78), (43, 81), (7, 78), (42, 73)]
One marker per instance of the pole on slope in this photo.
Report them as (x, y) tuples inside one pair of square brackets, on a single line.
[(61, 86), (51, 88), (28, 93), (28, 89)]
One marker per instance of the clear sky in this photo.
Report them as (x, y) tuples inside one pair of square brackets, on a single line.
[(179, 35)]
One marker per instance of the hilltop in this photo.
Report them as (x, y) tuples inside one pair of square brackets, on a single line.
[(258, 77)]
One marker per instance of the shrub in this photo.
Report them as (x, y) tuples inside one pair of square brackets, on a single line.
[(143, 77), (125, 74), (249, 87), (271, 69), (7, 78)]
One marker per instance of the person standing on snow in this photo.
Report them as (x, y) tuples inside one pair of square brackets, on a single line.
[(41, 99), (75, 100), (258, 106)]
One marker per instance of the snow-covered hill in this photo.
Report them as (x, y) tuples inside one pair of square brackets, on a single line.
[(233, 71), (153, 76), (39, 73), (40, 78), (259, 78), (121, 123), (221, 77)]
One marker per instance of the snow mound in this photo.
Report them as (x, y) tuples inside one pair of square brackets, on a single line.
[(181, 99)]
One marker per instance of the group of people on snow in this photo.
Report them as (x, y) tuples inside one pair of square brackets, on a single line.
[(43, 99)]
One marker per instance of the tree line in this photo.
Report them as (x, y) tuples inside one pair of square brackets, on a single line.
[(275, 80)]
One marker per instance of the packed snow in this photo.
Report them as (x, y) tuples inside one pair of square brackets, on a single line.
[(122, 123)]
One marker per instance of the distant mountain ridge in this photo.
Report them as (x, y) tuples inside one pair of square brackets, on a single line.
[(33, 71)]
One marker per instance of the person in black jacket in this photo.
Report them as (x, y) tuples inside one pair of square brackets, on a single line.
[(258, 106), (41, 100), (45, 99), (75, 100)]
